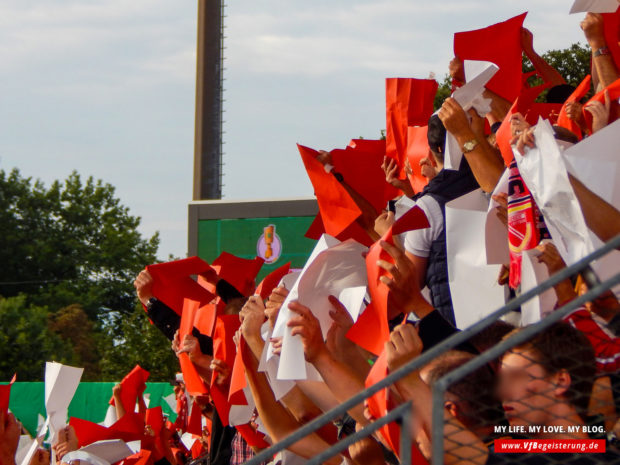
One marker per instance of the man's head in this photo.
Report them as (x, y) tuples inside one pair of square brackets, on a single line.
[(436, 136), (547, 377), (472, 399)]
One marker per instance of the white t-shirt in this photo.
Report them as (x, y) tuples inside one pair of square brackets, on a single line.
[(418, 242)]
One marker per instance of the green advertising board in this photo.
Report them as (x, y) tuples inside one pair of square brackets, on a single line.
[(91, 402), (248, 229)]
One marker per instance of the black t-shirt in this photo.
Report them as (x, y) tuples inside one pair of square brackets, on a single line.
[(167, 321)]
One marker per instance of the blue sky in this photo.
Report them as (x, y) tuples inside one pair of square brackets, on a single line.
[(107, 88)]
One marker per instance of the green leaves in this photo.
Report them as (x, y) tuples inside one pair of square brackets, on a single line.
[(69, 254)]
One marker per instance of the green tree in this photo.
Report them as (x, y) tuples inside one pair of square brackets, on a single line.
[(573, 63), (26, 341), (72, 325), (70, 243), (69, 255), (138, 342)]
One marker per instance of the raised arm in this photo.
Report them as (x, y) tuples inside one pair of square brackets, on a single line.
[(485, 164), (279, 422), (603, 67), (601, 217), (342, 380)]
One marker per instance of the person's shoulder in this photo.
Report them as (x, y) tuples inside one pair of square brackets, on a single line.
[(431, 208)]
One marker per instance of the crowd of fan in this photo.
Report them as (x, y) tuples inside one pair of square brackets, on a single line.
[(564, 376)]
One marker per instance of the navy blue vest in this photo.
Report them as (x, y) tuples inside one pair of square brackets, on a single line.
[(445, 187)]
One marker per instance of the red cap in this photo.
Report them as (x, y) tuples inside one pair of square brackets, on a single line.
[(499, 44)]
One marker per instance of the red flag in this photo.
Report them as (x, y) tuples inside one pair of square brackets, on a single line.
[(614, 94), (132, 386), (5, 395), (374, 325), (129, 428), (611, 30), (141, 458), (271, 281), (417, 149), (409, 102), (193, 382), (579, 93), (223, 349), (522, 105), (338, 210), (252, 437), (194, 425), (236, 395), (354, 231), (379, 406), (238, 272), (172, 282), (362, 171), (499, 44)]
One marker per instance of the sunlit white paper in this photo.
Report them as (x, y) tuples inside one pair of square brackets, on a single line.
[(473, 283)]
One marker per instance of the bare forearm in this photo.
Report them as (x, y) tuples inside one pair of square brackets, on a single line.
[(342, 381), (601, 217), (548, 72), (118, 405), (486, 166), (605, 69), (277, 419)]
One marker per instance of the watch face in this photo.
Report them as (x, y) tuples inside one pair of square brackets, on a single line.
[(469, 146)]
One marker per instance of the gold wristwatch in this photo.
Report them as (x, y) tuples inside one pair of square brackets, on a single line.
[(470, 146)]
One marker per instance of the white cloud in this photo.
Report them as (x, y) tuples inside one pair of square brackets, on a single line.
[(107, 87)]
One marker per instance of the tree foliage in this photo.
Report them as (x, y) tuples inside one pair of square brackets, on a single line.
[(139, 343), (26, 341), (69, 255), (70, 243)]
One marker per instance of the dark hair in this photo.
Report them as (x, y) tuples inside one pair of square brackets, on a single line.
[(491, 335), (564, 134), (475, 393), (561, 347), (559, 94), (436, 136), (495, 127)]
